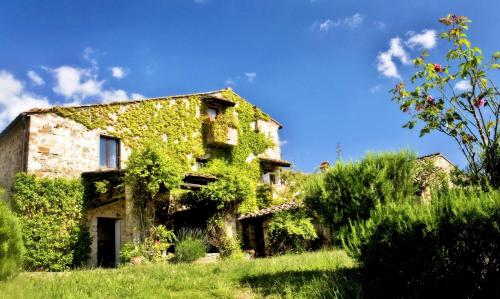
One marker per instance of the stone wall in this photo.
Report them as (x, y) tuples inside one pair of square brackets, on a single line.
[(115, 210), (271, 130), (62, 147), (11, 157)]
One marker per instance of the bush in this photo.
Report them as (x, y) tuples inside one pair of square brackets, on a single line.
[(51, 213), (289, 231), (349, 191), (152, 249), (191, 246), (447, 248), (11, 246)]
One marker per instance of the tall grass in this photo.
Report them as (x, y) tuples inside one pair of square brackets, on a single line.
[(310, 275)]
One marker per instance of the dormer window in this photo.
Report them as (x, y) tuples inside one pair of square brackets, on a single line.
[(109, 152), (212, 113)]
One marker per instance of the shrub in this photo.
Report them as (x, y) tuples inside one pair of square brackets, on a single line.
[(191, 246), (150, 170), (349, 191), (11, 246), (152, 249), (289, 231), (51, 213), (447, 248)]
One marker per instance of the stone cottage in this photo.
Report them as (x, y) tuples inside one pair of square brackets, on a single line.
[(95, 141)]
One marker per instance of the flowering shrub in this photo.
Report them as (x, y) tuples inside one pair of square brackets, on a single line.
[(469, 115)]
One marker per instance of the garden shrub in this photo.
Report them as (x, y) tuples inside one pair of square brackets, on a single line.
[(52, 217), (448, 248), (152, 249), (350, 190), (289, 231), (11, 246), (191, 245)]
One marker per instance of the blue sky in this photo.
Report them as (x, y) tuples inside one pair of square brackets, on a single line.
[(323, 68)]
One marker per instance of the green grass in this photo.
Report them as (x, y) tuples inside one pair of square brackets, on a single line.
[(324, 274)]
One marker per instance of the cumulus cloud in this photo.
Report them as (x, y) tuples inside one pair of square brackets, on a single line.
[(76, 83), (35, 78), (352, 22), (118, 72), (251, 76), (425, 40), (14, 98), (463, 85), (385, 62)]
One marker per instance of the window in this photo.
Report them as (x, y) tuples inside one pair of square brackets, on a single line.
[(212, 113), (109, 152)]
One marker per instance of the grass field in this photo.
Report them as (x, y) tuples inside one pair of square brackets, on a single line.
[(324, 274)]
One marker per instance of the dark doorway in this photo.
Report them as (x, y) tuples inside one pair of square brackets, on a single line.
[(260, 250), (106, 239)]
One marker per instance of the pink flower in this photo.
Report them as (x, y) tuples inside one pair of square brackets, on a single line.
[(430, 100), (479, 103), (454, 18), (438, 68)]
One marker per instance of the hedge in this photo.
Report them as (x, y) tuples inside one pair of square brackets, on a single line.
[(52, 216), (11, 247), (449, 248)]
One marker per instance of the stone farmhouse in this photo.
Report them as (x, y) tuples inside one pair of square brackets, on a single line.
[(93, 142)]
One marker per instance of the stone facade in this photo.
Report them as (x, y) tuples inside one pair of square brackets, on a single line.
[(46, 144), (11, 156)]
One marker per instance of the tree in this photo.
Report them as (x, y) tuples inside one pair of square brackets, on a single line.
[(470, 114)]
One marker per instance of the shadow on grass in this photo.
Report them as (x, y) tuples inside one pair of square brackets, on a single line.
[(340, 283)]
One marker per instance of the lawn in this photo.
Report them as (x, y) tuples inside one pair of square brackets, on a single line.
[(324, 274)]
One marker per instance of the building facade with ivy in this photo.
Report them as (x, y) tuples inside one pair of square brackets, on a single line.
[(199, 131)]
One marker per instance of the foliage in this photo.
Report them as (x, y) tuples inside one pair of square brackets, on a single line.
[(323, 274), (350, 190), (53, 220), (447, 248), (191, 246), (11, 245), (289, 230), (471, 116), (428, 175), (149, 170), (152, 249)]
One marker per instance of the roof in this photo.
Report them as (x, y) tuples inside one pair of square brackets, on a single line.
[(435, 155), (271, 210), (276, 162), (213, 96)]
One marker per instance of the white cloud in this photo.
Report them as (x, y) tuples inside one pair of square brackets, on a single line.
[(136, 96), (14, 99), (118, 72), (352, 22), (463, 85), (230, 82), (76, 83), (35, 78), (426, 39), (251, 76), (385, 63), (326, 25), (355, 21)]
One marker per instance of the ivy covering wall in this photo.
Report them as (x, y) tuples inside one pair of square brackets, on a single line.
[(52, 215), (180, 124)]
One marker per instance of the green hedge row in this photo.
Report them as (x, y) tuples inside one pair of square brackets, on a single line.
[(52, 216), (11, 246), (449, 248)]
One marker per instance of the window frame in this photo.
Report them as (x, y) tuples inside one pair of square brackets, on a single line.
[(108, 140), (217, 112)]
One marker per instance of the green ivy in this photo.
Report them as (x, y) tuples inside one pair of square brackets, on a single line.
[(51, 213), (179, 123)]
